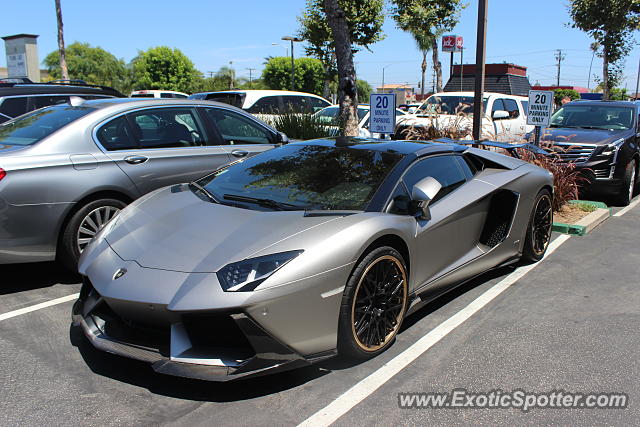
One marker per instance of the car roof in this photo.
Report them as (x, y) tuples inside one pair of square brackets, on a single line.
[(157, 91), (484, 94), (15, 89), (403, 148), (252, 95), (601, 102)]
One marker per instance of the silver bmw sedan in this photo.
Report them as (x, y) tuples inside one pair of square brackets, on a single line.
[(66, 170)]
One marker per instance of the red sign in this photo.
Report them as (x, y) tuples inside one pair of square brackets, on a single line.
[(452, 43)]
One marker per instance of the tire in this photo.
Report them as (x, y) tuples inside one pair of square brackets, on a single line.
[(382, 270), (539, 228), (626, 192), (93, 216)]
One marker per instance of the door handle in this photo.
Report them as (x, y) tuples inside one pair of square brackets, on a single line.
[(135, 160), (239, 153)]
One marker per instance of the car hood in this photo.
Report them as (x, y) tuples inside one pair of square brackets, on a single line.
[(582, 136), (178, 231)]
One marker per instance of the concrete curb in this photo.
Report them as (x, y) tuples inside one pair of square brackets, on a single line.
[(586, 224)]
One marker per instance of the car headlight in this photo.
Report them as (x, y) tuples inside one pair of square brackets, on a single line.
[(245, 276), (613, 147)]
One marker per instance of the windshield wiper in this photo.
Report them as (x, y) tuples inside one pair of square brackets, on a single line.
[(194, 186), (269, 203)]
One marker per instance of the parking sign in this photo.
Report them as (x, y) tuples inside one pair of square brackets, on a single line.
[(540, 107), (382, 117)]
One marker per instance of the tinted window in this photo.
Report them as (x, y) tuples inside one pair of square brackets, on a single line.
[(511, 107), (593, 116), (525, 107), (36, 126), (116, 135), (296, 104), (498, 105), (307, 176), (45, 101), (14, 107), (446, 169), (166, 95), (330, 116), (142, 95), (166, 127), (316, 103), (400, 201), (449, 104), (237, 129), (235, 99), (266, 105)]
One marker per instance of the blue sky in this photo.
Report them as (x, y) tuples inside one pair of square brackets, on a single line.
[(212, 33)]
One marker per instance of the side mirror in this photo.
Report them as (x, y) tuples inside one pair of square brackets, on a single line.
[(500, 114), (422, 194), (282, 138)]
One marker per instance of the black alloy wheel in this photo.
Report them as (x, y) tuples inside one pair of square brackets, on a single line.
[(539, 229)]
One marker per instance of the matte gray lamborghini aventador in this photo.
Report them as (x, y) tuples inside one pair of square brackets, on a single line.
[(303, 252)]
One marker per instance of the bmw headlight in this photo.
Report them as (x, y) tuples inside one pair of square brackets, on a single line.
[(244, 276)]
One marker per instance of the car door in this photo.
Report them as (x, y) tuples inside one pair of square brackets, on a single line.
[(501, 126), (516, 120), (156, 147), (242, 135), (451, 235)]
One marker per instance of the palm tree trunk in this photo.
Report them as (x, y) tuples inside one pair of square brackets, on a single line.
[(424, 70), (63, 60), (437, 66), (347, 92)]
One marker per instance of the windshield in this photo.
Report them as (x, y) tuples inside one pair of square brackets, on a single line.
[(593, 117), (37, 125), (449, 105), (330, 115), (306, 177)]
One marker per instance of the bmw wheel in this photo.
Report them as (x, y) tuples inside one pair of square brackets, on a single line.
[(373, 305), (539, 229), (83, 226)]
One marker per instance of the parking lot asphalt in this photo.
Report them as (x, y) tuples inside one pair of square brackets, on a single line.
[(570, 323)]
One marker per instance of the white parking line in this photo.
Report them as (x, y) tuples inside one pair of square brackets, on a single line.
[(368, 385), (628, 208), (42, 305)]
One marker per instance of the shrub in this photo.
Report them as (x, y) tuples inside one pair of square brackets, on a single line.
[(302, 126), (566, 178)]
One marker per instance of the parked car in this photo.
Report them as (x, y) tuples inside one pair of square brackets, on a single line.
[(157, 94), (19, 98), (602, 138), (66, 170), (505, 115), (267, 102), (329, 115), (303, 252)]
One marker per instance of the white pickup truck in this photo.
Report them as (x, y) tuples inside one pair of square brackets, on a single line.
[(505, 117)]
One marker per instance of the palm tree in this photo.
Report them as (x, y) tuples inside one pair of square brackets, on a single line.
[(424, 43), (594, 49), (63, 61)]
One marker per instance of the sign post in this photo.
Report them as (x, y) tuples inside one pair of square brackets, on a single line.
[(540, 110), (382, 113)]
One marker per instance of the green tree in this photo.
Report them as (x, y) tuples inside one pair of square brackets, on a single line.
[(91, 64), (427, 20), (164, 68), (364, 19), (364, 91), (618, 94), (611, 24), (558, 94), (308, 76)]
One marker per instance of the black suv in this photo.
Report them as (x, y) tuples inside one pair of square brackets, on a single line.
[(602, 138), (17, 98)]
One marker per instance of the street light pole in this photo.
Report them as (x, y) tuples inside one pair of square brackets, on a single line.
[(635, 95), (383, 68), (293, 66)]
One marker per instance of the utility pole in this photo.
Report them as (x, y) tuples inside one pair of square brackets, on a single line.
[(250, 75), (481, 43), (231, 73), (635, 95), (559, 57)]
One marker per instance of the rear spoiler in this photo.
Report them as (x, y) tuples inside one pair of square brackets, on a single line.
[(512, 149)]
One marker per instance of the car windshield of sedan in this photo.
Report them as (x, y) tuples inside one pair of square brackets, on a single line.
[(37, 125), (304, 177), (449, 105), (593, 117)]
